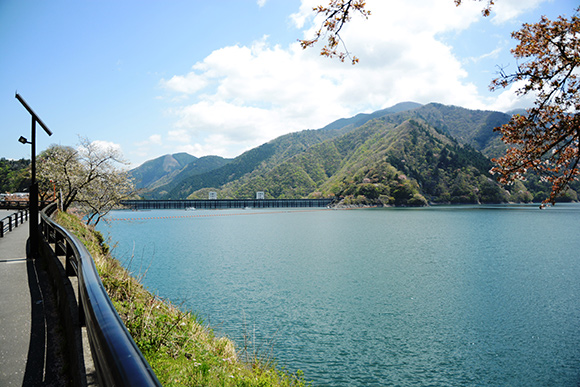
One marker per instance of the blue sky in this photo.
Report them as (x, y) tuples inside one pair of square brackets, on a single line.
[(221, 77)]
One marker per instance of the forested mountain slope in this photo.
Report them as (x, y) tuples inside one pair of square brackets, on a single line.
[(409, 154), (257, 160), (472, 127), (401, 164)]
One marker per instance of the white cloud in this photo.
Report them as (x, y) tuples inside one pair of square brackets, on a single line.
[(242, 96), (153, 145), (101, 146), (508, 99), (105, 145), (492, 54), (179, 136), (154, 139), (261, 3), (507, 10), (188, 84)]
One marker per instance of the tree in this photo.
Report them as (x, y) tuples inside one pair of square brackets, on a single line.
[(14, 175), (339, 12), (59, 165), (485, 11), (546, 139), (336, 14), (88, 176)]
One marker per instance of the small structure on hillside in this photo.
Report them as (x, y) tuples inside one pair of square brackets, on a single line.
[(260, 195), (212, 195)]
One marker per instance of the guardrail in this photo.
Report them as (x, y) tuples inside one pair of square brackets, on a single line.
[(11, 221), (118, 361), (17, 204)]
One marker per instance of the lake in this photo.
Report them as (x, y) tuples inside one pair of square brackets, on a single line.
[(440, 296)]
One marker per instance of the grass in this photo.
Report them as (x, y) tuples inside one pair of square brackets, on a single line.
[(181, 350)]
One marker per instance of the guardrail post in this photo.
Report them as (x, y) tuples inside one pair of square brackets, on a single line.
[(82, 318), (69, 268), (48, 232), (10, 223), (1, 228), (59, 248)]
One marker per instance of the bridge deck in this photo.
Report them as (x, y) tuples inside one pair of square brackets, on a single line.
[(225, 203)]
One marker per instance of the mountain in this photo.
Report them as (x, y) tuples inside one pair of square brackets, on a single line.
[(256, 161), (178, 166), (471, 127), (151, 171), (262, 158), (362, 118), (411, 163), (409, 154)]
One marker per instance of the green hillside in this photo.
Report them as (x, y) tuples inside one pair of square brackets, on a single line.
[(381, 163), (255, 162), (14, 175), (409, 154), (472, 127)]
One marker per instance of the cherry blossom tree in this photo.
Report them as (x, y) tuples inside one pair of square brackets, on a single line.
[(91, 176)]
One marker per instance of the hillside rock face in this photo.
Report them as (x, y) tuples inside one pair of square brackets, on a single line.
[(151, 171), (167, 169)]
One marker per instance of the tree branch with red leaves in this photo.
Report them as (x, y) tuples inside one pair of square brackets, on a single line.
[(339, 12), (336, 14), (485, 11), (546, 139)]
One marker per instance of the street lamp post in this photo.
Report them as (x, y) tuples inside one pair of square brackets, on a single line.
[(33, 192)]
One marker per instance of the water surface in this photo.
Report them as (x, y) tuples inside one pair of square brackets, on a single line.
[(442, 296)]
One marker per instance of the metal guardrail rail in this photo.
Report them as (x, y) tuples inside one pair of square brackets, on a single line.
[(118, 361), (18, 204), (12, 221)]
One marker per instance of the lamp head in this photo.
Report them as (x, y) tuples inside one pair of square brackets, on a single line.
[(23, 140)]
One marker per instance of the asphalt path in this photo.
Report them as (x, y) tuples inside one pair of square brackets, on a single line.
[(30, 342)]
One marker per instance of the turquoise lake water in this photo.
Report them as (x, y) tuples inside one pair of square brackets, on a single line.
[(440, 296)]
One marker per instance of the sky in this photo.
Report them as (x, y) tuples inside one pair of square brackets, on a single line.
[(220, 77)]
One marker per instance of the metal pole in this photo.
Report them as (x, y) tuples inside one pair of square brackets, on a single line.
[(33, 199)]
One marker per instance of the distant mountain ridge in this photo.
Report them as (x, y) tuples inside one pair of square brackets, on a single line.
[(472, 127), (362, 118), (151, 171), (163, 170), (409, 154)]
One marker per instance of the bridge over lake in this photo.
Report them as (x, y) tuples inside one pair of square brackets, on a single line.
[(225, 203)]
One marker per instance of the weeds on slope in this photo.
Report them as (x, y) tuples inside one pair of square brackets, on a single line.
[(181, 350)]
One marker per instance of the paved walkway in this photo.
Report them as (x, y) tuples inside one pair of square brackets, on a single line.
[(29, 340)]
